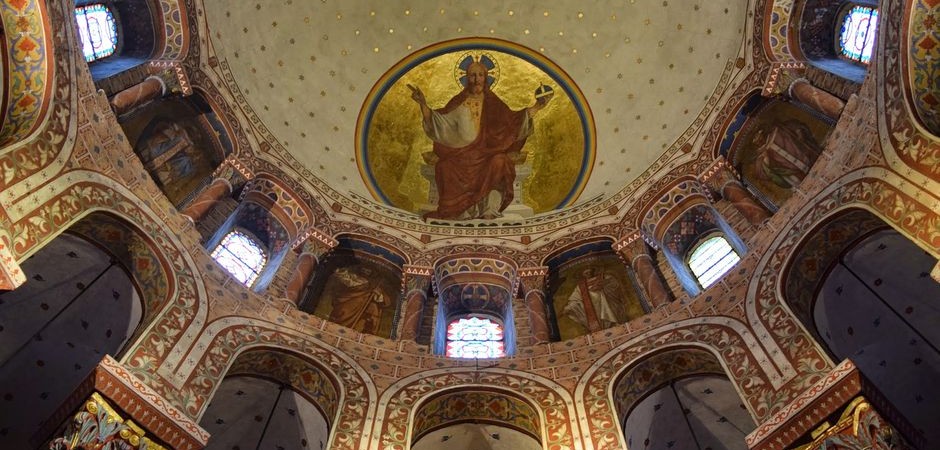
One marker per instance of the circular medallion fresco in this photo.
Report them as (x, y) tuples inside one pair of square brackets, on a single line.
[(475, 129)]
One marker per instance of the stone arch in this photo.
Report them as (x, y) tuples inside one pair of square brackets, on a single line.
[(750, 367), (29, 77), (922, 62), (647, 379), (879, 316), (301, 374), (815, 253), (121, 287), (768, 315), (500, 407), (223, 340), (81, 193), (553, 402), (906, 142)]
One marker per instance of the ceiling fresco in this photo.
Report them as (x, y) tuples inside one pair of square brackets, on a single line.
[(310, 72), (551, 162)]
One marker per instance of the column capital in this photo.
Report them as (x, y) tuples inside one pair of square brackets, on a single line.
[(173, 75), (718, 175), (233, 170), (315, 242), (110, 383), (533, 278)]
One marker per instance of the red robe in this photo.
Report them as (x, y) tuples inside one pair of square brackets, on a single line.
[(466, 175)]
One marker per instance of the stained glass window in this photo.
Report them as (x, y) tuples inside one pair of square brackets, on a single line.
[(711, 259), (241, 256), (97, 31), (857, 38), (475, 337)]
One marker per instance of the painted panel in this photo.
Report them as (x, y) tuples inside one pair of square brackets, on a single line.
[(358, 293), (778, 149), (603, 280), (519, 141)]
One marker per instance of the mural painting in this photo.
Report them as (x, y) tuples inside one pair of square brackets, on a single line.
[(778, 148), (359, 292), (178, 143), (593, 293), (475, 129)]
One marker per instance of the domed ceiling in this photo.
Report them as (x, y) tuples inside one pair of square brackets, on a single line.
[(310, 70)]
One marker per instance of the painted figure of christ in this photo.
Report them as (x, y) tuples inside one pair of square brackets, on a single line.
[(475, 136)]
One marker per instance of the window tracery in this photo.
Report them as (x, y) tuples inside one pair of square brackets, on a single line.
[(241, 256), (475, 337), (859, 26), (711, 259), (97, 31)]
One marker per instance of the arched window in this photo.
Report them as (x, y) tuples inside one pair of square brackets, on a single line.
[(859, 27), (97, 31), (711, 259), (475, 337), (241, 256)]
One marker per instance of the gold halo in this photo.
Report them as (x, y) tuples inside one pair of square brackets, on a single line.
[(460, 74)]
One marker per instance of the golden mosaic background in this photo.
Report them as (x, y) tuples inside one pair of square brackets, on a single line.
[(396, 139), (647, 68)]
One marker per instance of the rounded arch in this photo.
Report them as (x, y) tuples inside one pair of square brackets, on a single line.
[(219, 344), (484, 405), (554, 404), (767, 313), (757, 377), (863, 290), (655, 369), (668, 378), (919, 65), (289, 369), (94, 289)]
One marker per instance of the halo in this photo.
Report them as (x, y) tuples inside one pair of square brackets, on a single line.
[(487, 59)]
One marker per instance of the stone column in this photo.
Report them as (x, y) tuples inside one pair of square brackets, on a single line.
[(102, 402), (310, 255), (825, 103), (722, 180), (207, 199), (417, 281), (533, 288), (635, 252)]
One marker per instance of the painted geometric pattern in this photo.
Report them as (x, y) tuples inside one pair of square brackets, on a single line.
[(817, 255), (695, 222), (28, 72), (557, 410), (917, 150), (175, 29), (777, 31), (462, 406), (300, 375), (657, 370), (924, 62), (667, 202)]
